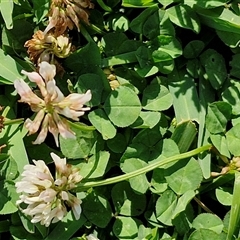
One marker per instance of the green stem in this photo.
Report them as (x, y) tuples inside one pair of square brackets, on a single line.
[(13, 121), (86, 34), (81, 127), (5, 111), (234, 219), (146, 169), (104, 6), (97, 29), (23, 16), (203, 206)]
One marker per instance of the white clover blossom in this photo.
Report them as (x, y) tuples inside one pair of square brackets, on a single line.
[(47, 198), (91, 237), (49, 104)]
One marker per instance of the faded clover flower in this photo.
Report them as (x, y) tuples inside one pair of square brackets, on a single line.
[(113, 82), (47, 198), (234, 164), (42, 47), (49, 103), (65, 14)]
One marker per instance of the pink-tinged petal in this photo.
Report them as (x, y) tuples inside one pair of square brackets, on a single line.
[(42, 176), (22, 87), (55, 94), (43, 133), (70, 113), (48, 195), (80, 100), (37, 209), (51, 89), (76, 101), (60, 163), (34, 125), (47, 71), (36, 107), (59, 97), (25, 187), (28, 123), (26, 93), (34, 77), (63, 127), (42, 167)]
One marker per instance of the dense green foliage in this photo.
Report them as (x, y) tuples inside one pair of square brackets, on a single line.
[(164, 77)]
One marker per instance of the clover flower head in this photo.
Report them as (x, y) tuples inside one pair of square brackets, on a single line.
[(49, 104), (42, 47), (46, 197)]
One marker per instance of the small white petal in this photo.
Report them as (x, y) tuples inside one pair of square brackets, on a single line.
[(60, 163), (64, 195), (34, 77), (91, 237), (47, 71)]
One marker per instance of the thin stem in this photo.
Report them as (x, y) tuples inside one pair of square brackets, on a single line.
[(224, 158), (104, 6), (203, 206), (13, 121), (97, 29), (146, 169), (81, 127), (86, 34), (5, 111)]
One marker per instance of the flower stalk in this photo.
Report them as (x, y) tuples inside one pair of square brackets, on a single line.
[(13, 121), (82, 186)]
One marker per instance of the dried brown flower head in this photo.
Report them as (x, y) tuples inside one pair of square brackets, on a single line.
[(65, 14)]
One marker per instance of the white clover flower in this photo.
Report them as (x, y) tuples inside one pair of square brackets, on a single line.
[(91, 237), (47, 198), (50, 104)]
